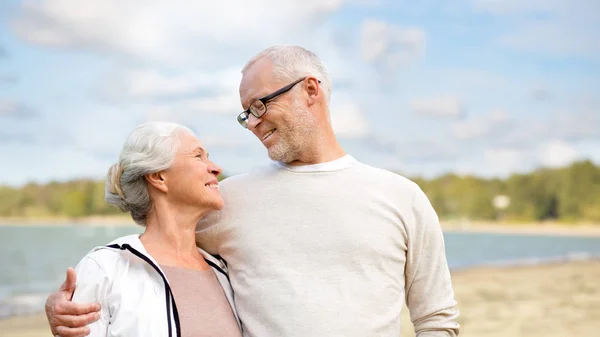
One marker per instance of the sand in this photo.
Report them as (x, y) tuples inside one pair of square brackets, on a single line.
[(558, 300), (554, 300)]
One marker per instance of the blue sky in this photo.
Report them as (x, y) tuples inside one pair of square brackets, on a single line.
[(484, 87)]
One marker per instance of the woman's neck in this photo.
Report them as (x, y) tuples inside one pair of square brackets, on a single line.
[(170, 239)]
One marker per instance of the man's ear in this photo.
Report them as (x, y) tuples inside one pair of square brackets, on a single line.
[(158, 180), (313, 90)]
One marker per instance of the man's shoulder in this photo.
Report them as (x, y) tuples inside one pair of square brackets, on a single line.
[(387, 177), (236, 180)]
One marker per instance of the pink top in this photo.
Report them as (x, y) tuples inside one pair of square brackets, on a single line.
[(201, 302)]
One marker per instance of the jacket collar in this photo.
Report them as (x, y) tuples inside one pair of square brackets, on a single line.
[(134, 241)]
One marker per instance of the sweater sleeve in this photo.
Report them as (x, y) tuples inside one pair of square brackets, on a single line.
[(429, 294), (92, 286), (207, 232)]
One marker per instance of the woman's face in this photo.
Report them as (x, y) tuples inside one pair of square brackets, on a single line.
[(192, 178)]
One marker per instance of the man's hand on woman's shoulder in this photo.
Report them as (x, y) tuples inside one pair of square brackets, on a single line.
[(68, 319)]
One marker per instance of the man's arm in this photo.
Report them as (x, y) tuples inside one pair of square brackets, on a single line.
[(66, 318), (429, 294), (208, 232)]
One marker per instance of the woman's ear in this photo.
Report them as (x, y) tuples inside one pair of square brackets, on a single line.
[(158, 180)]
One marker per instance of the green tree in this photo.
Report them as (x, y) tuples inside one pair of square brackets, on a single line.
[(74, 203)]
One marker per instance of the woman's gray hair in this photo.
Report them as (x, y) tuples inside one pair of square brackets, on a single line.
[(149, 148), (293, 62)]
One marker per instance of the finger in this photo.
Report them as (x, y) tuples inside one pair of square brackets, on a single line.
[(70, 308), (70, 332), (70, 281), (71, 321), (50, 308), (63, 286)]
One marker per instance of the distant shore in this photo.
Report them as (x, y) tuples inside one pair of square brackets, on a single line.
[(105, 220), (559, 229), (590, 230)]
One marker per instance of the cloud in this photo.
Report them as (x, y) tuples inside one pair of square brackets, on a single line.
[(575, 126), (555, 38), (220, 142), (541, 93), (167, 32), (504, 7), (502, 161), (152, 85), (15, 110), (390, 46), (557, 153), (579, 120), (406, 151), (37, 131), (8, 79), (144, 85), (181, 61), (448, 106), (494, 124), (469, 78), (188, 109), (7, 136), (347, 118), (552, 27)]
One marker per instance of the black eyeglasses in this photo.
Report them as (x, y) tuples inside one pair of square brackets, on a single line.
[(259, 106)]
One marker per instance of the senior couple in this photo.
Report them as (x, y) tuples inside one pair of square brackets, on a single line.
[(314, 244)]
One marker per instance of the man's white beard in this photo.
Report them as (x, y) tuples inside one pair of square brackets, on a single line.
[(294, 139)]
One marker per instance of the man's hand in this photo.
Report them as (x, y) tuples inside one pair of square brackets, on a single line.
[(66, 318)]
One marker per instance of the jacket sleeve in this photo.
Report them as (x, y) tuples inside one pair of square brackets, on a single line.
[(92, 286), (429, 294)]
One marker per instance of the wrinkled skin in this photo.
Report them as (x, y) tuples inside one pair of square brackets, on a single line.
[(68, 319)]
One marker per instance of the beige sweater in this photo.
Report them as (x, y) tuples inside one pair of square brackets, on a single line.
[(332, 250)]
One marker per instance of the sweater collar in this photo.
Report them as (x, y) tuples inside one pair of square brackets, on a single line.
[(334, 165)]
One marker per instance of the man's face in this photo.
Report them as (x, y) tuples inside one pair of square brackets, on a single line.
[(286, 129)]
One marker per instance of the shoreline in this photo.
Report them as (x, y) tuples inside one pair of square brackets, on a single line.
[(529, 228), (550, 300), (25, 304)]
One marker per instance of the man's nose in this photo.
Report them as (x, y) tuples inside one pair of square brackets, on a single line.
[(253, 122)]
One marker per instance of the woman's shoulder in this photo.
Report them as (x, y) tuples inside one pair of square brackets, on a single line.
[(107, 258)]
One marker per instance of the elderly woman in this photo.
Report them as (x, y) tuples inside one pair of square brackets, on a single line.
[(159, 283)]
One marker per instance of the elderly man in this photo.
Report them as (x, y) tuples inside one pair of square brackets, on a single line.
[(316, 243)]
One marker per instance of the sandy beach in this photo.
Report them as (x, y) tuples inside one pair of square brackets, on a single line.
[(553, 300)]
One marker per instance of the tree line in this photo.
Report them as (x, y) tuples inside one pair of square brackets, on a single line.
[(569, 194)]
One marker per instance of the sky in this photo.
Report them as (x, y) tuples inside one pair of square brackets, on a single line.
[(482, 87)]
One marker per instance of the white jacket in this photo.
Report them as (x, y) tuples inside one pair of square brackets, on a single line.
[(134, 292)]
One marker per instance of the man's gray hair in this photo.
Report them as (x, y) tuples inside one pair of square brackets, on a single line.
[(149, 148), (293, 62)]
